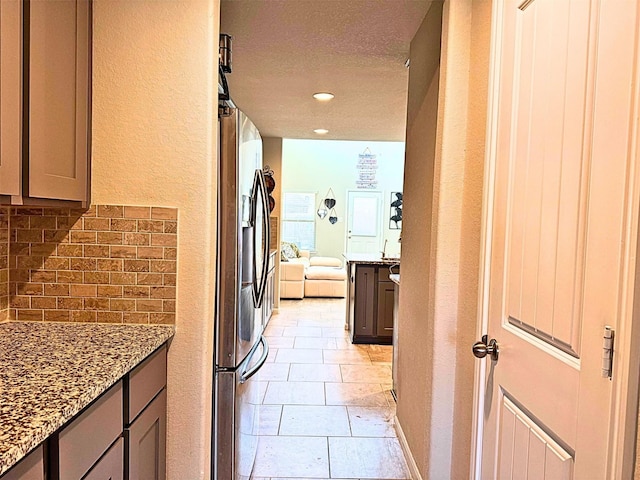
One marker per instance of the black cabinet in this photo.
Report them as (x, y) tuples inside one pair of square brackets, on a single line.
[(364, 308), (384, 324), (370, 304)]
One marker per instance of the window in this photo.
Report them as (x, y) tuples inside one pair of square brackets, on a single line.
[(299, 219)]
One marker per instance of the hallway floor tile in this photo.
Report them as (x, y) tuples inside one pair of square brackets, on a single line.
[(327, 411)]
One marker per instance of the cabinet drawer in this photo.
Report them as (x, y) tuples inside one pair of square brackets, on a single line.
[(145, 381), (383, 274), (90, 435), (30, 468)]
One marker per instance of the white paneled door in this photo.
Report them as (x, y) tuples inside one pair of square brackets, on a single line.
[(560, 223), (364, 220)]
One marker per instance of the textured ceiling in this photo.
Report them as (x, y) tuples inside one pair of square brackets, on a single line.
[(286, 50)]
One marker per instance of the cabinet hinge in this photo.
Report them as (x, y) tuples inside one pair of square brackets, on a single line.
[(607, 352)]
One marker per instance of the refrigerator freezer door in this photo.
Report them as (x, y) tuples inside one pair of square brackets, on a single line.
[(229, 232), (238, 320)]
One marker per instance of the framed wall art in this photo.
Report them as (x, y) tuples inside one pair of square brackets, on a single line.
[(395, 213)]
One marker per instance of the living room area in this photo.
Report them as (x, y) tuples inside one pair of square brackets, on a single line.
[(332, 197)]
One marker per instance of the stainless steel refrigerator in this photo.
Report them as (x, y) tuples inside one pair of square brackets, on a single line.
[(240, 347)]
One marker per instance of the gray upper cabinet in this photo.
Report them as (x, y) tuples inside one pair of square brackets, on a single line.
[(53, 95), (59, 93), (10, 96)]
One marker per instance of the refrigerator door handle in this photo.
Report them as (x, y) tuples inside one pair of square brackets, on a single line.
[(247, 374), (260, 193)]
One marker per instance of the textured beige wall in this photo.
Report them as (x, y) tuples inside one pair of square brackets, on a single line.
[(272, 156), (415, 330), (470, 232), (154, 143), (441, 236), (317, 165)]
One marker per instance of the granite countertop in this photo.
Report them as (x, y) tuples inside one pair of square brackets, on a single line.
[(50, 371), (370, 258)]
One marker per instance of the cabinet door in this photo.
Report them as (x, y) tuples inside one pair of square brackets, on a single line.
[(384, 319), (31, 467), (147, 442), (59, 99), (110, 466), (10, 96), (364, 301)]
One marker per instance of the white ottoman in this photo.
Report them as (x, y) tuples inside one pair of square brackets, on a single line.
[(323, 281)]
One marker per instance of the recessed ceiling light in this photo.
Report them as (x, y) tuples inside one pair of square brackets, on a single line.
[(321, 131), (323, 96)]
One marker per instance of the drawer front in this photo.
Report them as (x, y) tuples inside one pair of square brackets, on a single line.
[(145, 381), (90, 435), (30, 468), (383, 273)]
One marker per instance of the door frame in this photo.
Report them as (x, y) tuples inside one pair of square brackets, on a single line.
[(626, 388)]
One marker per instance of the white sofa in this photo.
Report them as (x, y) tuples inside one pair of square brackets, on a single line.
[(292, 276), (312, 277)]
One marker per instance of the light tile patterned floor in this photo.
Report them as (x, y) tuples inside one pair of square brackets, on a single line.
[(327, 411)]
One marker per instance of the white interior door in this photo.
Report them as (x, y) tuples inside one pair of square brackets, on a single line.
[(364, 214), (557, 221)]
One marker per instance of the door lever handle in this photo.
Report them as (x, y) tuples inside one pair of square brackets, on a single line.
[(481, 349)]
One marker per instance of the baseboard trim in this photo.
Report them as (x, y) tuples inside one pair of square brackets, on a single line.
[(411, 463)]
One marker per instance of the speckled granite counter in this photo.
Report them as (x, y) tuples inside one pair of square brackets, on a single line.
[(369, 258), (51, 371)]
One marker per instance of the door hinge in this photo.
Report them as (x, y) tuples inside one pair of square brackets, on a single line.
[(607, 352)]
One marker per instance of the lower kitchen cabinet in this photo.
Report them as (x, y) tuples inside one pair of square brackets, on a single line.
[(111, 465), (146, 439), (370, 304), (365, 311), (30, 468), (83, 442), (145, 431), (121, 435), (384, 317)]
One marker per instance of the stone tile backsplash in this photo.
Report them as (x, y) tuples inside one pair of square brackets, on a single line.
[(110, 263)]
